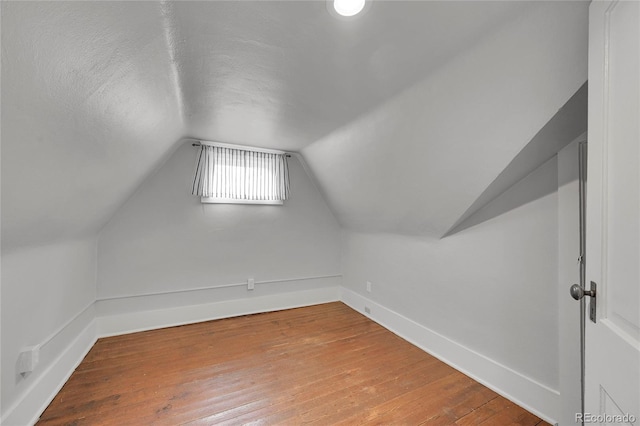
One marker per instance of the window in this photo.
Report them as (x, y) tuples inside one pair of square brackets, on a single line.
[(240, 175)]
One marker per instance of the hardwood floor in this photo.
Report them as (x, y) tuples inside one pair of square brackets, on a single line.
[(323, 364)]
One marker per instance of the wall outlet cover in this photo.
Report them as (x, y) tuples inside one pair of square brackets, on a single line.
[(28, 359)]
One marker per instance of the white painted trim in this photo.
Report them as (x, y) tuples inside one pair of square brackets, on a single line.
[(241, 147), (242, 284), (522, 390), (117, 324), (535, 397), (214, 200), (65, 325), (27, 410), (46, 386), (286, 280)]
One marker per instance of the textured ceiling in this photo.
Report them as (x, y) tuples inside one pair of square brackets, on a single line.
[(432, 97), (89, 106), (284, 74)]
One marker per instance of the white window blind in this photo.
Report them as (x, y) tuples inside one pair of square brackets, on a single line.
[(240, 175)]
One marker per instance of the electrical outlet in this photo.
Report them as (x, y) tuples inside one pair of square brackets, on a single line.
[(367, 309), (28, 358), (251, 284), (369, 286)]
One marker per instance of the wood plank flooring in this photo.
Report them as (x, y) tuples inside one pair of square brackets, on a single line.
[(323, 364)]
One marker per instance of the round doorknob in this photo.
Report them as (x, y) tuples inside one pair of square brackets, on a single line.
[(578, 292)]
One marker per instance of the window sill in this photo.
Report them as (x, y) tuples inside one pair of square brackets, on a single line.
[(211, 200)]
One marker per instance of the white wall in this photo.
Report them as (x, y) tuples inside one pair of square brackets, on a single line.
[(491, 287), (164, 240), (157, 263), (45, 291)]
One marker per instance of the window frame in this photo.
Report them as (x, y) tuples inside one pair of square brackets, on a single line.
[(239, 201)]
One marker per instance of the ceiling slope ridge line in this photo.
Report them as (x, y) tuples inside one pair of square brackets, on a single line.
[(390, 103), (316, 184), (461, 226), (84, 235), (567, 125), (149, 175), (169, 29), (189, 139)]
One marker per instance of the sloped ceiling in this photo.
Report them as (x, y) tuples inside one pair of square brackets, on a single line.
[(416, 163), (285, 74), (433, 98), (567, 125), (89, 105)]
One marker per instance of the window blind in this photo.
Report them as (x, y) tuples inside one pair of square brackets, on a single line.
[(240, 174)]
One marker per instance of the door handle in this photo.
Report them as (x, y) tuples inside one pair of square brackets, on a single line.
[(577, 292)]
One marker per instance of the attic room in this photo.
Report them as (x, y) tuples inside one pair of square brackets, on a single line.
[(415, 197)]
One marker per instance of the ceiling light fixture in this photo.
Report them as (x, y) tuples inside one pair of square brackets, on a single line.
[(348, 7)]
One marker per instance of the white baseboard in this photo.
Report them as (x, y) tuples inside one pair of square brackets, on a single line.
[(522, 390), (535, 397), (27, 410), (46, 386), (124, 323)]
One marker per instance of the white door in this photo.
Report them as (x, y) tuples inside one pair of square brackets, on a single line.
[(613, 213)]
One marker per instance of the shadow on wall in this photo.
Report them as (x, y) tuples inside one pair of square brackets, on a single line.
[(529, 175), (542, 181)]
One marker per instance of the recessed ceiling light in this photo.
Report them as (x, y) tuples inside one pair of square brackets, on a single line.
[(348, 7)]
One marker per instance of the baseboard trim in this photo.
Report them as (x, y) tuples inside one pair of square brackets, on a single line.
[(535, 397), (125, 323), (522, 390), (27, 410)]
